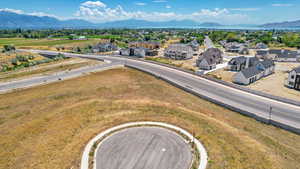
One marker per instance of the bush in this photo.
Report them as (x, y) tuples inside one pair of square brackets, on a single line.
[(22, 58), (15, 62), (4, 68), (9, 48)]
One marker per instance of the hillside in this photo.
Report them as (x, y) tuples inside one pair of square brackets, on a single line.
[(287, 24)]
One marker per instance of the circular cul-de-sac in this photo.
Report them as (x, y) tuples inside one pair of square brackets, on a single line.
[(144, 148)]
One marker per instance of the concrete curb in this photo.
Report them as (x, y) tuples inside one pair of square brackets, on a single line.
[(200, 147), (242, 88)]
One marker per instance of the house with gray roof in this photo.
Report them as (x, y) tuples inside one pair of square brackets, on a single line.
[(241, 62), (209, 59), (254, 73), (136, 52), (195, 45), (104, 47), (234, 47), (293, 80), (261, 46), (279, 55), (179, 52)]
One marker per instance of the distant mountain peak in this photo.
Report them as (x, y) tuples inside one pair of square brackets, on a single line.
[(286, 24)]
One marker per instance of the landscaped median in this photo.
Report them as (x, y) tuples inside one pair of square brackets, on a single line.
[(89, 157)]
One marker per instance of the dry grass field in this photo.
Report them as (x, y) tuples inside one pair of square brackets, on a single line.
[(47, 127)]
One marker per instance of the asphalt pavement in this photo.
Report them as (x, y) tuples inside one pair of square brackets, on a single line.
[(44, 79), (208, 43), (144, 148), (275, 111)]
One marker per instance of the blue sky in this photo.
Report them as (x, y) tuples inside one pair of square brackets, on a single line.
[(222, 11)]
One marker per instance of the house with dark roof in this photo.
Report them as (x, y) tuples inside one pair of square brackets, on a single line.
[(288, 56), (241, 62), (279, 55), (195, 45), (234, 47), (136, 52), (261, 46), (145, 44), (263, 54), (209, 59), (254, 73), (293, 80)]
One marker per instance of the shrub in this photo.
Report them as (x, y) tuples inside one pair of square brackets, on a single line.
[(9, 48)]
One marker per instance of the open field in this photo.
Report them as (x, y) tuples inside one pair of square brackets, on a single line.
[(48, 126), (273, 84), (42, 43)]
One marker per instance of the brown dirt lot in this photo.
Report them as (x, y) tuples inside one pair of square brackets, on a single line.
[(274, 84), (48, 126)]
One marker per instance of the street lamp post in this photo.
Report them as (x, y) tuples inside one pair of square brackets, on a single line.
[(270, 114)]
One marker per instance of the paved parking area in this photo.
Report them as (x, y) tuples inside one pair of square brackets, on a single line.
[(144, 148)]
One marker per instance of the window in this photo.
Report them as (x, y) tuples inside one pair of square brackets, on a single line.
[(292, 77)]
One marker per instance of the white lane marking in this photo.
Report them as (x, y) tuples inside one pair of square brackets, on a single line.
[(194, 76), (221, 85)]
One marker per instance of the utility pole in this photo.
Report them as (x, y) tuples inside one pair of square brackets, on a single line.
[(193, 140), (270, 114)]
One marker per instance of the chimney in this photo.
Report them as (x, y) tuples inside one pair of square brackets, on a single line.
[(247, 62)]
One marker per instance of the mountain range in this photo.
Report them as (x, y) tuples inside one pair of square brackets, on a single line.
[(10, 20), (293, 24)]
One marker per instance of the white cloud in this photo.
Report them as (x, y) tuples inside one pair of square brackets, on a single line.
[(105, 14), (168, 7), (12, 10), (94, 4), (282, 5), (40, 14), (245, 9), (140, 4), (211, 13)]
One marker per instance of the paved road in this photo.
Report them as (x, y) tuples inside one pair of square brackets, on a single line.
[(144, 148), (208, 43), (43, 79), (281, 112)]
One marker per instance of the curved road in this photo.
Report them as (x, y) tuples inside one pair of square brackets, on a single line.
[(143, 148), (281, 114)]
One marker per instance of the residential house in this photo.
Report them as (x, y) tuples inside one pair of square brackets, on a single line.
[(254, 73), (145, 44), (242, 62), (261, 46), (195, 45), (234, 47), (179, 52), (136, 52), (279, 55), (209, 59), (293, 80), (104, 47), (150, 52), (263, 54), (288, 56)]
